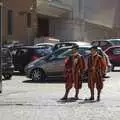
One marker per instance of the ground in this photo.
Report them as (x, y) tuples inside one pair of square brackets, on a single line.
[(22, 99)]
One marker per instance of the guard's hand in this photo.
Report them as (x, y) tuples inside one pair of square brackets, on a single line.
[(93, 68)]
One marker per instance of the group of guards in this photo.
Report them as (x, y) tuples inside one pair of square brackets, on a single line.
[(74, 68)]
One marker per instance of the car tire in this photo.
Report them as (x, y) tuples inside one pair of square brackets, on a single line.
[(38, 75), (7, 76), (21, 70)]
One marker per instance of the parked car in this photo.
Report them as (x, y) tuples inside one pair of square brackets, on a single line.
[(7, 64), (104, 44), (53, 65), (13, 45), (65, 44), (48, 46), (24, 55), (114, 55)]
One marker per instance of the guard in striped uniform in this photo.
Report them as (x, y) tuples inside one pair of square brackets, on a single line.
[(96, 69), (74, 66)]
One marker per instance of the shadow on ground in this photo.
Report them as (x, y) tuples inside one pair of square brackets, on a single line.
[(17, 73), (69, 100), (88, 101), (115, 70), (79, 101), (47, 81)]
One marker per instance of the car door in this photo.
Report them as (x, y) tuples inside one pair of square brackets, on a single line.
[(20, 57), (54, 66), (116, 56)]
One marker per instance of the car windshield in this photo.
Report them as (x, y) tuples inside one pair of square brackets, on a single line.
[(57, 53), (42, 52), (62, 53), (83, 51), (115, 42), (60, 45)]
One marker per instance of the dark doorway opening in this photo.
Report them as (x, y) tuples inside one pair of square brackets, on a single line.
[(43, 27)]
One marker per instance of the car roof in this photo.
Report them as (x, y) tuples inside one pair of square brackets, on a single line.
[(85, 46), (109, 40), (113, 39), (72, 42), (80, 46), (30, 47), (52, 44)]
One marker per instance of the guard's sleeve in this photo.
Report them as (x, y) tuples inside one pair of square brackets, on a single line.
[(102, 64)]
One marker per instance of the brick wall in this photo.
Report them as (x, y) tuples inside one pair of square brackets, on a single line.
[(20, 9)]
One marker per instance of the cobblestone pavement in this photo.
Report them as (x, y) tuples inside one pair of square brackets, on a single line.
[(24, 100)]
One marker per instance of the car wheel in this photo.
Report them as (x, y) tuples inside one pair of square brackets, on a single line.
[(7, 76), (21, 71), (38, 75)]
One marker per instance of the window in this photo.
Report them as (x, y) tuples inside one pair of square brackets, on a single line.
[(21, 52), (28, 20), (115, 42), (95, 43), (10, 22), (56, 54), (116, 51), (104, 43), (41, 52)]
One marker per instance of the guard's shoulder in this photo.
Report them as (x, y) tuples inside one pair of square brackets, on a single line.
[(80, 56), (99, 56)]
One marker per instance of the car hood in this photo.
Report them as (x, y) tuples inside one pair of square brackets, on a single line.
[(39, 61)]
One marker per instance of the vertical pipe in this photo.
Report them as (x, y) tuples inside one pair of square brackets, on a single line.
[(1, 17)]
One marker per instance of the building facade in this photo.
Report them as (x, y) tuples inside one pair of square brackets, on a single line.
[(78, 19), (83, 20), (18, 20)]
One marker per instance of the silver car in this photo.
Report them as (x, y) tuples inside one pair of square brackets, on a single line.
[(53, 65)]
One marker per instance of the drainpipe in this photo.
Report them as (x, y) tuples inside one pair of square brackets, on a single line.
[(1, 17)]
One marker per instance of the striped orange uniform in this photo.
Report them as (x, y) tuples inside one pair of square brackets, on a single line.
[(73, 68), (96, 68)]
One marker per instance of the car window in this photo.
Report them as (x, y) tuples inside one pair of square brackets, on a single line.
[(116, 51), (95, 43), (115, 42), (82, 51), (60, 51), (21, 52), (42, 52), (104, 43), (66, 53), (57, 46), (58, 54)]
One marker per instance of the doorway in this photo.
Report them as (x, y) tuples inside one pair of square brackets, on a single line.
[(43, 27)]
